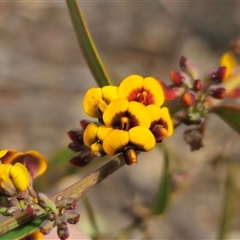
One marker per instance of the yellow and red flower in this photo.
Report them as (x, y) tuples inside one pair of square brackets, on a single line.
[(144, 90), (96, 100), (17, 169)]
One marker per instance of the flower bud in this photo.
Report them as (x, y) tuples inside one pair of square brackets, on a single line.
[(35, 210), (61, 222), (177, 77), (82, 159), (76, 135), (3, 211), (218, 93), (169, 93), (46, 227), (76, 146), (188, 67), (71, 216), (63, 233), (13, 210), (159, 132), (84, 123), (47, 202), (69, 203), (130, 156), (197, 85), (216, 74), (188, 99)]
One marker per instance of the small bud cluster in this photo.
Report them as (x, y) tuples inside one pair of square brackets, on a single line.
[(57, 217), (195, 92), (77, 145)]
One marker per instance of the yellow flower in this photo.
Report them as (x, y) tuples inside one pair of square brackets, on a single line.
[(122, 114), (17, 169), (144, 90), (138, 138), (161, 123), (96, 100), (14, 179), (93, 137), (229, 62)]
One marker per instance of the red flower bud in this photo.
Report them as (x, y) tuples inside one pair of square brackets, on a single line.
[(82, 159), (177, 78), (130, 156), (216, 74), (218, 93), (84, 123), (46, 227), (235, 93), (188, 67), (197, 85), (71, 216), (169, 93), (76, 135), (188, 99)]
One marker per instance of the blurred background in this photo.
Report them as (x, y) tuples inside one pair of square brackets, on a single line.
[(43, 77)]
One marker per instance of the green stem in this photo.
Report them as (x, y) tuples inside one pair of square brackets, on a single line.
[(86, 43)]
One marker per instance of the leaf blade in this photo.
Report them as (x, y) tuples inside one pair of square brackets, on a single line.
[(230, 114), (87, 45)]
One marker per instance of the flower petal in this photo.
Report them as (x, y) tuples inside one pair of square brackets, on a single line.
[(20, 177), (167, 120), (109, 93), (229, 62), (90, 102), (154, 91), (7, 155), (141, 138), (90, 134), (155, 112), (102, 132), (139, 115), (112, 114), (130, 87), (115, 141), (35, 163)]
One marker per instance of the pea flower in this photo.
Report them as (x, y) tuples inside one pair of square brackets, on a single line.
[(122, 114), (96, 100), (17, 170), (93, 137), (144, 90), (138, 138), (161, 123)]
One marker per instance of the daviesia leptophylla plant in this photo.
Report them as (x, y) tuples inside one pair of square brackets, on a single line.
[(130, 118)]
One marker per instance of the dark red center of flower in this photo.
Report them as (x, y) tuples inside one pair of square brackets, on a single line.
[(141, 95), (124, 121)]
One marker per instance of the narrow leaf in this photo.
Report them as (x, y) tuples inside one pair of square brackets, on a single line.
[(22, 231), (162, 197), (228, 202), (86, 43), (230, 114)]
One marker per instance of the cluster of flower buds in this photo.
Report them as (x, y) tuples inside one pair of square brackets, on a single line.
[(129, 118), (57, 217), (196, 93)]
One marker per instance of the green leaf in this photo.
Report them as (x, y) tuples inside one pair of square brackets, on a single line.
[(162, 196), (86, 43), (228, 201), (230, 114), (22, 231)]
